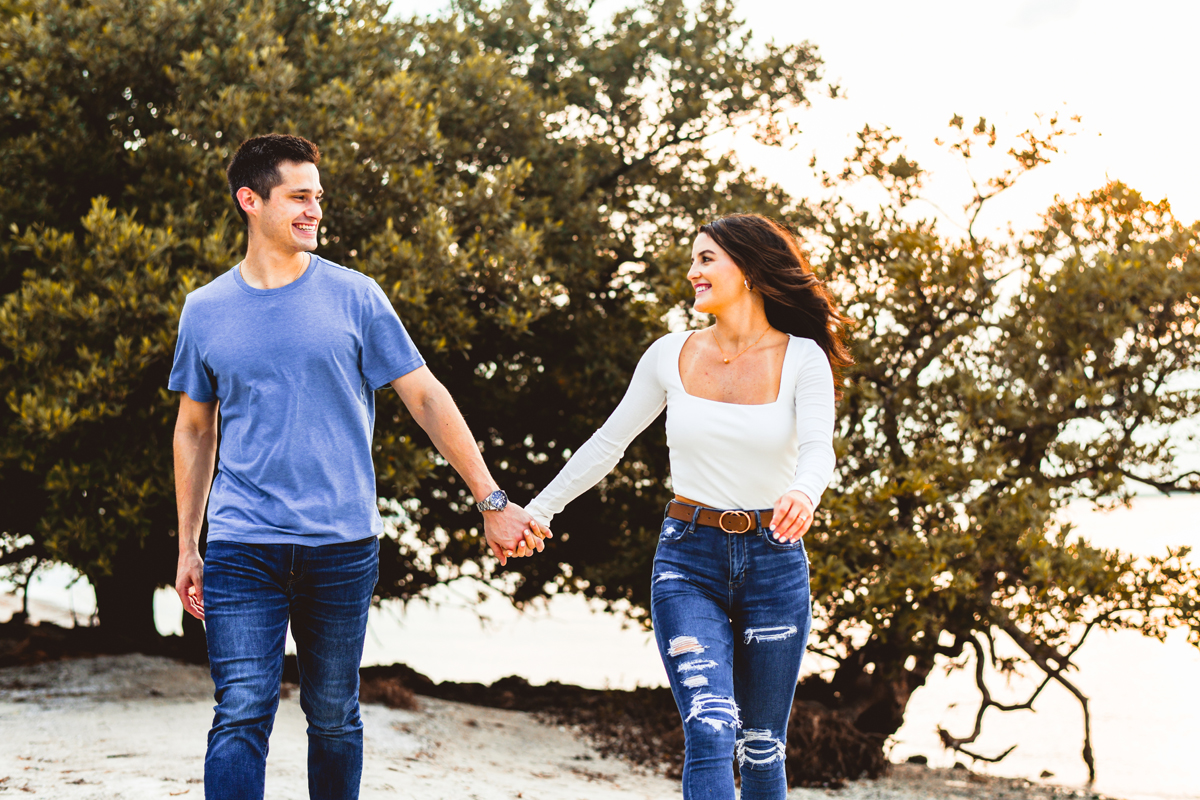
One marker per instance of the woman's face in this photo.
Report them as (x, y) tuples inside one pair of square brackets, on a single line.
[(717, 280)]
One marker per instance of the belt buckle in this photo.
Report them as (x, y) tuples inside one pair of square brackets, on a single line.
[(737, 514)]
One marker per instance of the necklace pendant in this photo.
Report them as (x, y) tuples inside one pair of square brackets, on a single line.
[(727, 361)]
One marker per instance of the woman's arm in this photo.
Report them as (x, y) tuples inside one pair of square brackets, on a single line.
[(814, 425), (815, 461), (644, 400)]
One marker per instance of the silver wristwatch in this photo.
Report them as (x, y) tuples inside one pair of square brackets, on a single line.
[(496, 501)]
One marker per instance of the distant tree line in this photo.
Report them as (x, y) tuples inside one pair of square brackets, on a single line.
[(524, 183)]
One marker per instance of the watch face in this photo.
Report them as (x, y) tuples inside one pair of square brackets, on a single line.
[(496, 501)]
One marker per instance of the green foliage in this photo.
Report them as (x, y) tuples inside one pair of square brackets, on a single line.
[(521, 213), (618, 179), (87, 336)]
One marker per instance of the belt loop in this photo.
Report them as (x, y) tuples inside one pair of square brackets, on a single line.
[(695, 515), (757, 521)]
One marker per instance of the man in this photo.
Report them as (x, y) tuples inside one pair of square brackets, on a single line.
[(290, 348)]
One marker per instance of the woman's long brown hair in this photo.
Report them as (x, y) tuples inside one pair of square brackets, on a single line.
[(796, 300)]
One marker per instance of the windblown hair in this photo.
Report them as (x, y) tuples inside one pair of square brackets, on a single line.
[(256, 164), (796, 300)]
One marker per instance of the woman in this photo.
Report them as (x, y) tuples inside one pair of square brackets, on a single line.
[(749, 425)]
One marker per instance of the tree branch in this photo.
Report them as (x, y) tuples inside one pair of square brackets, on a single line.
[(1036, 651), (956, 743), (1041, 654), (1169, 486), (988, 759)]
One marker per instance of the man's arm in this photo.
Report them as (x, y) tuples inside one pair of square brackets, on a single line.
[(508, 531), (195, 454)]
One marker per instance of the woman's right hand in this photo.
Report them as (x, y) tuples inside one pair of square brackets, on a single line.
[(532, 543), (793, 517)]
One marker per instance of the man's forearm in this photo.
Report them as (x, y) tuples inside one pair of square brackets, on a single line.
[(439, 416), (195, 454)]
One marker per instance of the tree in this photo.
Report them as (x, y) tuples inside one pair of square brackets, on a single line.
[(88, 414), (996, 381), (619, 178), (498, 190), (958, 447)]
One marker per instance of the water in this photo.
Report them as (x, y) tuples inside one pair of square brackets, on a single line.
[(1145, 701)]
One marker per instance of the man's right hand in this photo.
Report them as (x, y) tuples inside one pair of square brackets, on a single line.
[(189, 583), (195, 454)]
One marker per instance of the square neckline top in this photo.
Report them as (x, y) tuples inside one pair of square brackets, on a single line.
[(787, 355)]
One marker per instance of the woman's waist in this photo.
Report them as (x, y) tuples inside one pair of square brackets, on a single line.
[(738, 485), (730, 520)]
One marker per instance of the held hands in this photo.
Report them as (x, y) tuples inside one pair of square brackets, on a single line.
[(513, 533), (793, 517)]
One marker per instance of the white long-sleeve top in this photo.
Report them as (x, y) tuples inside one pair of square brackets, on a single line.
[(723, 455)]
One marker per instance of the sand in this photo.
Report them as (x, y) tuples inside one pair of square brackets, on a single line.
[(134, 726)]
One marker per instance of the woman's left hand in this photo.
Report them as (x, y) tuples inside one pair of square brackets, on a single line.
[(792, 518)]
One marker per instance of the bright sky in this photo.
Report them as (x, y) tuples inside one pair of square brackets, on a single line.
[(1128, 69)]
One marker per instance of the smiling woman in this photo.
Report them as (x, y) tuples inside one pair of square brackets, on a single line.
[(750, 406), (769, 259)]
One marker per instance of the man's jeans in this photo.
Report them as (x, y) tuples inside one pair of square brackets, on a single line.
[(250, 592), (731, 615)]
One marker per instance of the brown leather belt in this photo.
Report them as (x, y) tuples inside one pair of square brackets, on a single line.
[(734, 520)]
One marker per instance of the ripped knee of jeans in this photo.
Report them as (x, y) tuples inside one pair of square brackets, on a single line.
[(714, 711), (758, 748)]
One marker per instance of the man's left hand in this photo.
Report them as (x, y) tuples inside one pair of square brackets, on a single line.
[(510, 534)]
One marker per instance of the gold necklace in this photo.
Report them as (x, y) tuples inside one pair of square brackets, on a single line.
[(744, 349)]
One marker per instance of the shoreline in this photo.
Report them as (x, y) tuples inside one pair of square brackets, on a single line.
[(134, 726)]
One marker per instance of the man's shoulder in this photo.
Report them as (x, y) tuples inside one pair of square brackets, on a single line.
[(212, 292), (346, 276)]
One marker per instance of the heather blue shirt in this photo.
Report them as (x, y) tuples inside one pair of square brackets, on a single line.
[(295, 370)]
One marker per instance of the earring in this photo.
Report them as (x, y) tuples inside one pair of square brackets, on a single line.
[(746, 283)]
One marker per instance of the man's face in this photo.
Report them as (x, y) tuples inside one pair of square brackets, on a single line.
[(290, 218)]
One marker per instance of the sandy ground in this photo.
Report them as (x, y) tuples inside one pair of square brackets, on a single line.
[(134, 727)]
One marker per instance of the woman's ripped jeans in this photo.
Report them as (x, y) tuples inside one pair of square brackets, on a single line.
[(731, 615)]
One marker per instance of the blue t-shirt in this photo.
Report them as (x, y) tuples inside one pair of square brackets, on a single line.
[(295, 370)]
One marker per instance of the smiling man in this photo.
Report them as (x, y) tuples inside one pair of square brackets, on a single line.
[(282, 354)]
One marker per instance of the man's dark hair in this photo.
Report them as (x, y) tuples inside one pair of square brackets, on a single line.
[(256, 164)]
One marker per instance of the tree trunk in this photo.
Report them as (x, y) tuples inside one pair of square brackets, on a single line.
[(838, 728), (125, 606), (825, 748)]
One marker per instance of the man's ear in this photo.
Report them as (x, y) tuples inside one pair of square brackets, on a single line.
[(249, 200)]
